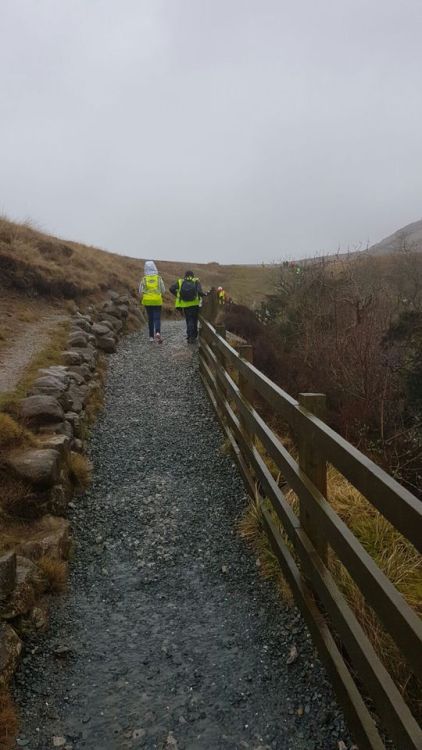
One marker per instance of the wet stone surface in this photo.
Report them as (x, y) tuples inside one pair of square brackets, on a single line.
[(168, 637)]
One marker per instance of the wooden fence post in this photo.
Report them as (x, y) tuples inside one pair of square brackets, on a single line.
[(210, 306), (314, 465), (247, 390), (221, 331)]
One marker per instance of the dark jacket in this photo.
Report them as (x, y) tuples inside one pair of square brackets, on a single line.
[(174, 287)]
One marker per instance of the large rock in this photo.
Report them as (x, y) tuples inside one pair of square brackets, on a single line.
[(7, 575), (83, 317), (106, 344), (29, 584), (80, 374), (71, 357), (60, 443), (49, 536), (78, 445), (56, 428), (76, 376), (83, 324), (124, 311), (116, 323), (38, 467), (49, 386), (102, 329), (118, 309), (52, 381), (77, 339), (75, 421), (41, 409), (88, 355), (67, 429), (57, 371), (110, 308), (10, 649), (77, 396)]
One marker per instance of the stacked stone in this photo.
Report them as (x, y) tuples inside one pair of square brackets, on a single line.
[(55, 405), (22, 586), (55, 410)]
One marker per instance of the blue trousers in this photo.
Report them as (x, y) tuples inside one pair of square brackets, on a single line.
[(154, 319), (191, 315)]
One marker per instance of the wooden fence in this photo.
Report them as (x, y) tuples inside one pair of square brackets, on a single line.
[(232, 383)]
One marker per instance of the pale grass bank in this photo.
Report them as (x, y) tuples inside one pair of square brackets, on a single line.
[(394, 555)]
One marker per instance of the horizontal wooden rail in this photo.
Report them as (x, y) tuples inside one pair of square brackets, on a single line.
[(243, 424), (396, 503)]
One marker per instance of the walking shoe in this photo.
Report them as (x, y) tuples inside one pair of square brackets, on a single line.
[(151, 338), (158, 338)]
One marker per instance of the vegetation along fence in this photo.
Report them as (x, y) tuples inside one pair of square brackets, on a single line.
[(302, 549)]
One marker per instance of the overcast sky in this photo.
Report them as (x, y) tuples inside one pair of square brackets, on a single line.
[(229, 130)]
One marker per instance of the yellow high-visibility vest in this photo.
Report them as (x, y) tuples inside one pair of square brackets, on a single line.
[(181, 303), (152, 292)]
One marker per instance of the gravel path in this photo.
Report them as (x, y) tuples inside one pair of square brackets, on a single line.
[(28, 341), (175, 640)]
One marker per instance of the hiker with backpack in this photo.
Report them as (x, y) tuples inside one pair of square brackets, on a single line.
[(152, 289), (188, 293)]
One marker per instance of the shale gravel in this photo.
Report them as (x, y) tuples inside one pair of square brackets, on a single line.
[(168, 637)]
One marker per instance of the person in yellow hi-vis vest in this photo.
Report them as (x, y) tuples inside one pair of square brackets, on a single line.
[(188, 293), (152, 289)]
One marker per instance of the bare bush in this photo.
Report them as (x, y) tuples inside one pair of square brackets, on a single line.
[(351, 328)]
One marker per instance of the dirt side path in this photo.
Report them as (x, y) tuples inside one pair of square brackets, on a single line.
[(28, 338), (168, 636)]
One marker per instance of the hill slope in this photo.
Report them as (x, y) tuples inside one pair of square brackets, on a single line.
[(35, 263), (406, 238)]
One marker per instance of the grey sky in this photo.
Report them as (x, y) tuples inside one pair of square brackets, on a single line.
[(229, 130)]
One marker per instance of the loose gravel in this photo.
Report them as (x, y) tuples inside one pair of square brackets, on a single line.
[(168, 636)]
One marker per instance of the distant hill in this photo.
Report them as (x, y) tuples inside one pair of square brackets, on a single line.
[(406, 238)]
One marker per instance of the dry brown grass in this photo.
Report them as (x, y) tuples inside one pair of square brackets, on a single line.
[(13, 435), (80, 470), (27, 316), (95, 401), (251, 528), (13, 495), (14, 532), (8, 721), (55, 572), (395, 556)]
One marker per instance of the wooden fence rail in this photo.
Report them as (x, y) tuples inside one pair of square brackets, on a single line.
[(231, 381)]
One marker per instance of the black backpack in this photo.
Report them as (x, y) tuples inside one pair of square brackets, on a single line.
[(189, 290)]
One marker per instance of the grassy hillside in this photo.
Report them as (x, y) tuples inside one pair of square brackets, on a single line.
[(38, 264)]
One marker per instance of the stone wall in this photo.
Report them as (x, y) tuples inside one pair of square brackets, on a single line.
[(56, 410)]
